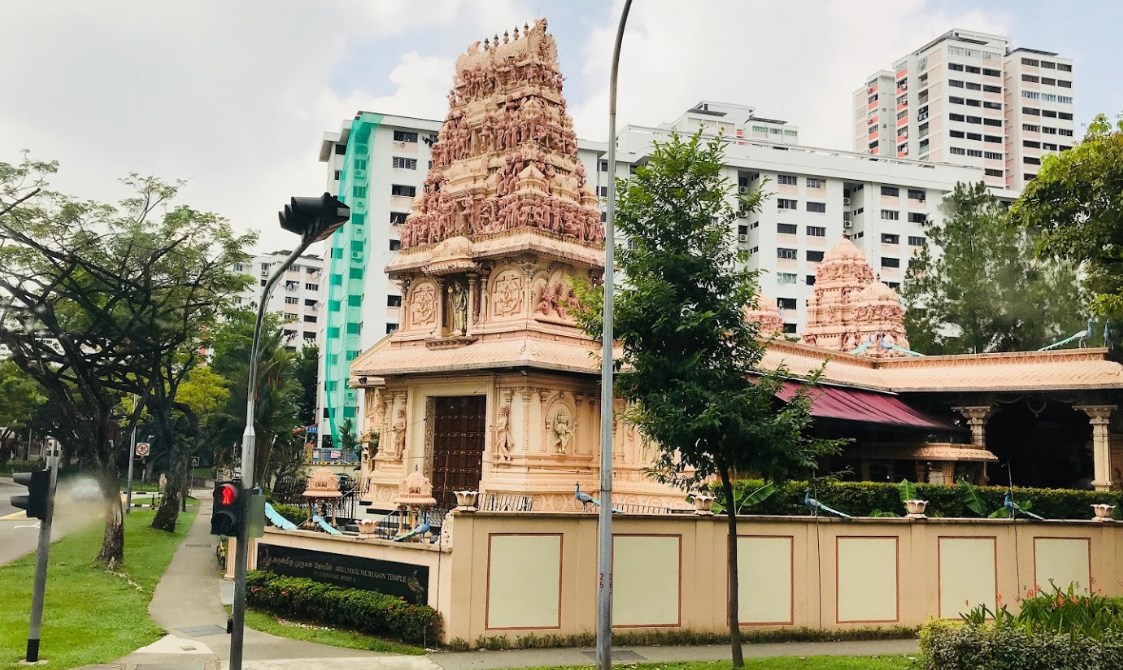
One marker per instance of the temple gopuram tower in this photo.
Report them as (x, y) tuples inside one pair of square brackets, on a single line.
[(852, 311), (488, 384)]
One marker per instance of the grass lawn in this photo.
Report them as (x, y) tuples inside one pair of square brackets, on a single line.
[(779, 663), (90, 616), (267, 623)]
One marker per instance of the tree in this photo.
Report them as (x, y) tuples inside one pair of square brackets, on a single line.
[(690, 363), (976, 287), (1075, 205), (20, 399), (307, 373), (111, 299)]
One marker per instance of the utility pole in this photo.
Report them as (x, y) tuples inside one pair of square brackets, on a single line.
[(604, 525), (132, 457), (314, 219)]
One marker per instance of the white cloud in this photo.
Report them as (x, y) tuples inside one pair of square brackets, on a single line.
[(798, 60)]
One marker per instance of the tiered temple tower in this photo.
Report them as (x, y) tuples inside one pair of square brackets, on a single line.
[(489, 384), (851, 310)]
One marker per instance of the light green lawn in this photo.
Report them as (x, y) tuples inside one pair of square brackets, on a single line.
[(90, 616), (267, 623), (779, 663)]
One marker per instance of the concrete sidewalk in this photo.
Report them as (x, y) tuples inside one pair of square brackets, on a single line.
[(188, 603)]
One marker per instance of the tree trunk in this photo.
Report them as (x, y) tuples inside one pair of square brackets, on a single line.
[(113, 541), (168, 513), (731, 545)]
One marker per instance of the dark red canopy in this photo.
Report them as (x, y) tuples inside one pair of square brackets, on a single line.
[(848, 404)]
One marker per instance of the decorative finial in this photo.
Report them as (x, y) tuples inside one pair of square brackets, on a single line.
[(506, 37), (495, 40), (526, 28), (516, 32), (487, 45)]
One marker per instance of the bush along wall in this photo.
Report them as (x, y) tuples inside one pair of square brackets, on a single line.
[(354, 609), (869, 498), (294, 513)]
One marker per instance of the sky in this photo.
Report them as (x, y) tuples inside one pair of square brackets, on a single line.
[(234, 96)]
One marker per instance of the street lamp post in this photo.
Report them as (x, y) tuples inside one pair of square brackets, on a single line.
[(314, 219), (604, 528)]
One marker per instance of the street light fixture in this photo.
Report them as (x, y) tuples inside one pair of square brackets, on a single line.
[(314, 219)]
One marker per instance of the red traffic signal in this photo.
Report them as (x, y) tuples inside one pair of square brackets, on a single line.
[(316, 218), (38, 485), (226, 515)]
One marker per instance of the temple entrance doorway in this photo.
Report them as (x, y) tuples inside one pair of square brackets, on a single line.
[(460, 426)]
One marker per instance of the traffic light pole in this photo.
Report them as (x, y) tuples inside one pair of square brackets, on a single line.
[(40, 587)]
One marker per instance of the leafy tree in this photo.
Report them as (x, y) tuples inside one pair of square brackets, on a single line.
[(20, 400), (111, 300), (690, 363), (347, 438), (308, 370), (1076, 206), (976, 287)]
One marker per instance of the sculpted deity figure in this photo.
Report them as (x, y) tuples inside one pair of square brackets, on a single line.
[(561, 431), (504, 443), (458, 304), (400, 434)]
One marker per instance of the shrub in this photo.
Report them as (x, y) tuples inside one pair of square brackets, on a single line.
[(294, 513), (354, 609), (863, 498), (946, 645)]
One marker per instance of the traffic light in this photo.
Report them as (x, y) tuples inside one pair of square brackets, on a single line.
[(38, 485), (226, 516), (316, 218)]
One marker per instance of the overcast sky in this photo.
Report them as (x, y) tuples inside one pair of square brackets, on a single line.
[(234, 96)]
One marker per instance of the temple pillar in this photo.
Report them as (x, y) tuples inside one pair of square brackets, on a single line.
[(977, 416), (439, 329), (1100, 417), (472, 317)]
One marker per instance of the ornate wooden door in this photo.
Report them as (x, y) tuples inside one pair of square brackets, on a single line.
[(459, 430)]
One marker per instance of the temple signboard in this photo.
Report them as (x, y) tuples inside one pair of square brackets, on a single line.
[(410, 582)]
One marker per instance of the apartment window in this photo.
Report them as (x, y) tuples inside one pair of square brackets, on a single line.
[(1048, 81), (786, 228), (815, 256), (311, 287), (992, 105), (391, 327), (902, 114), (603, 166), (403, 190), (815, 183), (992, 155), (972, 86), (975, 119), (1031, 111), (872, 98), (891, 190), (1030, 160), (820, 207), (340, 149), (1030, 61), (974, 136), (973, 69), (975, 153), (786, 278), (1046, 130), (290, 317), (359, 191), (994, 139), (873, 145), (393, 301), (955, 67), (1031, 144), (404, 163), (1064, 131), (1048, 147), (886, 238), (404, 136), (973, 103), (787, 254), (954, 100), (309, 318), (1031, 127), (1063, 83), (1031, 95), (1027, 176), (957, 151), (916, 241), (291, 301), (360, 163), (816, 231), (1064, 67), (918, 217), (956, 117), (1048, 65), (1067, 116), (788, 179), (810, 280), (786, 303), (955, 83), (992, 122), (1031, 78), (783, 203), (890, 215), (397, 218), (789, 328), (395, 245), (992, 73), (915, 194), (887, 262), (338, 174), (956, 134), (992, 89), (1048, 113)]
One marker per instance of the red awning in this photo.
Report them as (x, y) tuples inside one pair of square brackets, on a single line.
[(847, 404)]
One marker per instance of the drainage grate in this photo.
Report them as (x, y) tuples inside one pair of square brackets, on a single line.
[(618, 655), (201, 631)]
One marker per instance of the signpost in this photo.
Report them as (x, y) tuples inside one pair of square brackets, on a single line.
[(142, 449)]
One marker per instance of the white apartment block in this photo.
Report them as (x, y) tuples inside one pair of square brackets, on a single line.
[(296, 297), (962, 99), (732, 121), (815, 198)]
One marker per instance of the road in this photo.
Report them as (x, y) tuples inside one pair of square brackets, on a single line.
[(19, 535)]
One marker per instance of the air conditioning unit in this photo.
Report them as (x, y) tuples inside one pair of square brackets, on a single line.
[(846, 202), (742, 238), (847, 224), (742, 189)]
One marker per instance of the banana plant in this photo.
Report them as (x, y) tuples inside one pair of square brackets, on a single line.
[(908, 490), (744, 501)]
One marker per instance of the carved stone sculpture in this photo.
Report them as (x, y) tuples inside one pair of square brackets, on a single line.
[(504, 443), (458, 307), (561, 431), (400, 434)]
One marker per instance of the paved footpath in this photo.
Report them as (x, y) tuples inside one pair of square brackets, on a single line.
[(188, 603)]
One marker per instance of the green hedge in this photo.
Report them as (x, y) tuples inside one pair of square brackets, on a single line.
[(355, 609), (946, 645), (294, 513), (864, 498)]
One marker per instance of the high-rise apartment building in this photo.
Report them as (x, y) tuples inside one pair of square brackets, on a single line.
[(964, 98), (296, 298)]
